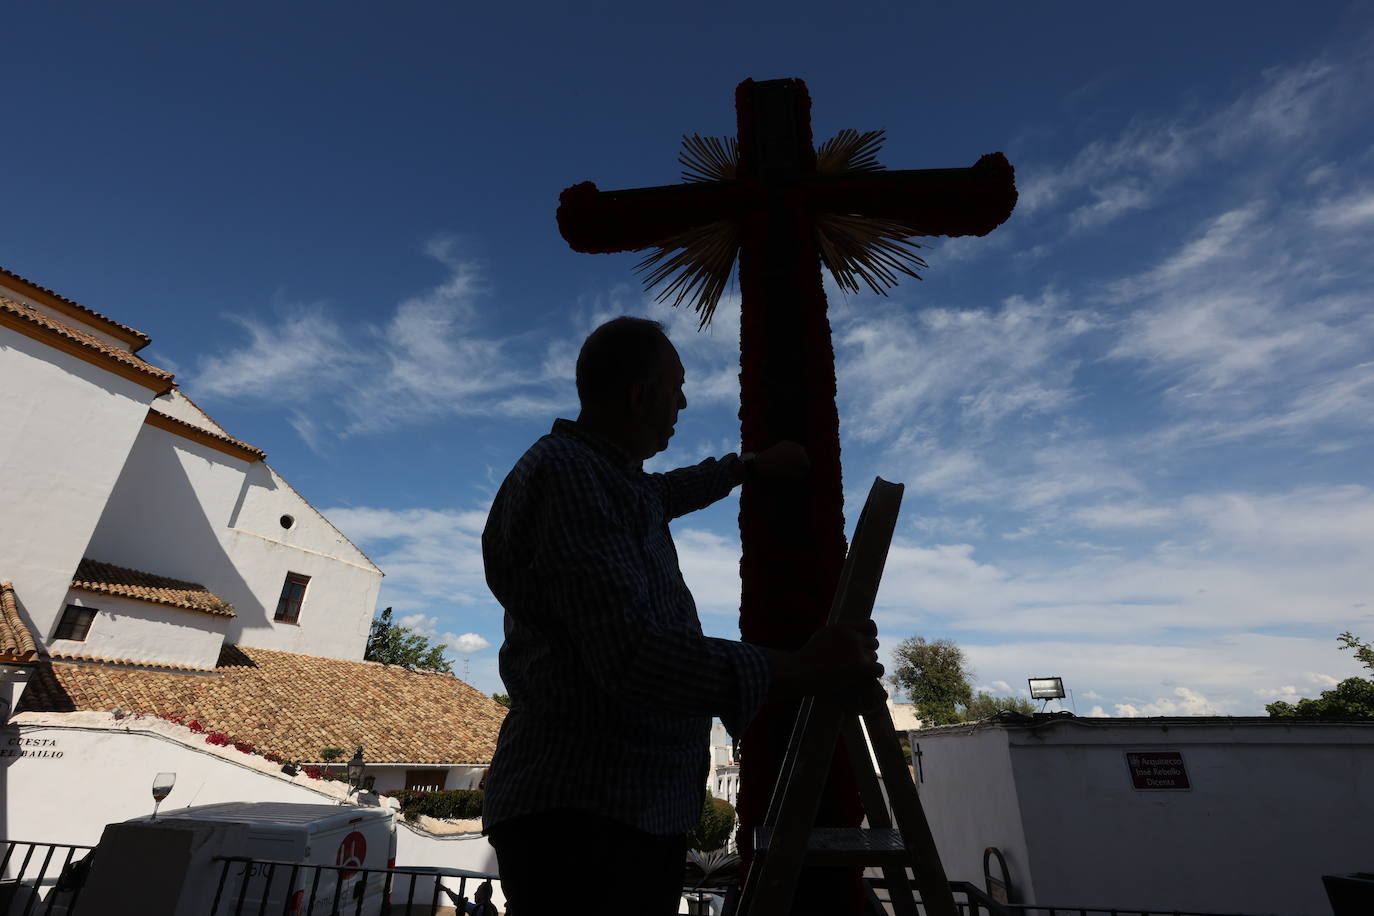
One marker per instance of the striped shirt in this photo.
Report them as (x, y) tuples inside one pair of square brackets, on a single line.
[(611, 680)]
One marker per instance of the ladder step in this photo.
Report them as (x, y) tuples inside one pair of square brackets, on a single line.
[(846, 846)]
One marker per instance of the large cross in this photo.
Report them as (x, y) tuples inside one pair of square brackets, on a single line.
[(792, 534)]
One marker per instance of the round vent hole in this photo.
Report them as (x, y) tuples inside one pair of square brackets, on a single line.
[(287, 521)]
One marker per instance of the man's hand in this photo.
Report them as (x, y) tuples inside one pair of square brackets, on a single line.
[(784, 460), (838, 662)]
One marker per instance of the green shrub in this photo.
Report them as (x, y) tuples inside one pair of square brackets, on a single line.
[(446, 803), (713, 830)]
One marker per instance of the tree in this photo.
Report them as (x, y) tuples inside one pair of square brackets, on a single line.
[(935, 676), (985, 704), (1352, 698), (392, 644), (502, 698)]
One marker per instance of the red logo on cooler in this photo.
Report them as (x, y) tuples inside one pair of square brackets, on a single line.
[(352, 851)]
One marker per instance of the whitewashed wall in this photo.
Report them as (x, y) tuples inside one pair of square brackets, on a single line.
[(81, 771), (67, 428), (125, 628), (342, 594), (1272, 808), (390, 777), (969, 797), (186, 510)]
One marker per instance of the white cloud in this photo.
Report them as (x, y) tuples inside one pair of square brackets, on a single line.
[(467, 643), (429, 359), (902, 370), (1284, 111), (1348, 213), (1188, 703)]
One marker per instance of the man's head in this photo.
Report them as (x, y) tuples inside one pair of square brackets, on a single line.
[(629, 380)]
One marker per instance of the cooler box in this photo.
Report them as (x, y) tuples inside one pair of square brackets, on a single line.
[(329, 835)]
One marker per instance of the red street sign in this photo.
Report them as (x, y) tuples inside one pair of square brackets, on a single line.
[(1157, 770)]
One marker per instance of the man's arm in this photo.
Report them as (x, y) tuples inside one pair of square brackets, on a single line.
[(593, 571), (691, 488)]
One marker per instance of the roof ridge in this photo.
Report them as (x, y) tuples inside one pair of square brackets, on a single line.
[(17, 645), (123, 330), (219, 436), (32, 323), (125, 582)]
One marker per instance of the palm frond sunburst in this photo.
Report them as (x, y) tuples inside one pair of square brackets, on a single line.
[(853, 248)]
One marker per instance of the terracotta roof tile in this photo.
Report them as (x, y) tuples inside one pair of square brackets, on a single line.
[(16, 642), (190, 430), (295, 705), (36, 324), (108, 579), (127, 662), (121, 330)]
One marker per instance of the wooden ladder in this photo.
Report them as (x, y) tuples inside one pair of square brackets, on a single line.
[(787, 840)]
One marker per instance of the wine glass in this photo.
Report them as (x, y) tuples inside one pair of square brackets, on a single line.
[(162, 787)]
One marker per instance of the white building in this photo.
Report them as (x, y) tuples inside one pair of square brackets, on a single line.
[(151, 561), (1214, 814)]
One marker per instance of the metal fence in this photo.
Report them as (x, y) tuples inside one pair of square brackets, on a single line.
[(261, 887), (42, 879), (972, 900)]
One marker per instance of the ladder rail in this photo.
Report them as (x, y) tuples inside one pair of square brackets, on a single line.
[(771, 883)]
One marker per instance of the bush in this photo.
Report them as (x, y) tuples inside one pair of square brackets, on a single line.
[(713, 830), (446, 803)]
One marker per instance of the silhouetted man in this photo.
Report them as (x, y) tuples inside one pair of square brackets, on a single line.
[(602, 762)]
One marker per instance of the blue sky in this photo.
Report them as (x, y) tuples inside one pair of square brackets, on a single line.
[(1135, 423)]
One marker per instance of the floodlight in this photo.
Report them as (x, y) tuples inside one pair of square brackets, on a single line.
[(1046, 688)]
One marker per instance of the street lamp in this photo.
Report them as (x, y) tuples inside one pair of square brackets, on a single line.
[(356, 767)]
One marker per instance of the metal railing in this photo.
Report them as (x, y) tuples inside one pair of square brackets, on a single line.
[(42, 879), (259, 887), (976, 902)]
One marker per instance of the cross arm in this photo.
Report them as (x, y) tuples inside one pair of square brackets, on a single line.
[(967, 201), (598, 222)]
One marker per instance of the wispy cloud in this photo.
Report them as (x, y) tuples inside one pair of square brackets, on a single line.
[(430, 359)]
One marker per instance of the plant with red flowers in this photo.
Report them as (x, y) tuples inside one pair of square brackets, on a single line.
[(244, 746), (217, 738), (195, 726)]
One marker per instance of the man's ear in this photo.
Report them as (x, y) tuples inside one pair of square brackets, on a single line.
[(640, 398)]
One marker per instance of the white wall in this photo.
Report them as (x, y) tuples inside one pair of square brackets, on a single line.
[(1273, 806), (68, 426), (970, 800), (1271, 809), (125, 628), (189, 511), (342, 595), (391, 777), (85, 770)]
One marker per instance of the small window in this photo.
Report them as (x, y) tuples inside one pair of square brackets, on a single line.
[(75, 622), (287, 521), (426, 780), (292, 594)]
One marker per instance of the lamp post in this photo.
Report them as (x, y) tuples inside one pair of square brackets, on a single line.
[(356, 767)]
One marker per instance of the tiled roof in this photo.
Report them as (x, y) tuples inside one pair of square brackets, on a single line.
[(133, 335), (127, 662), (108, 579), (16, 642), (216, 440), (33, 323), (295, 705)]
